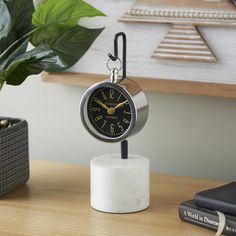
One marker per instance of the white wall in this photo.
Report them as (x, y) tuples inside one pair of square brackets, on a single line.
[(185, 135)]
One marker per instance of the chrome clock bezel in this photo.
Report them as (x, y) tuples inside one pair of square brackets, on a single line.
[(137, 101)]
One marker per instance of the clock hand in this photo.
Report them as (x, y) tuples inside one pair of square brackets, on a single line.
[(120, 105), (101, 104), (110, 110)]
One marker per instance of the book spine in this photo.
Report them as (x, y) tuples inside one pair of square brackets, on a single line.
[(205, 219)]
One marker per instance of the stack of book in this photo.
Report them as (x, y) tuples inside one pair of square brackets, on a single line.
[(202, 210)]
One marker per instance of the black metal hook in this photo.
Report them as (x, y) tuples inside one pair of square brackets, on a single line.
[(124, 143), (124, 149), (114, 58)]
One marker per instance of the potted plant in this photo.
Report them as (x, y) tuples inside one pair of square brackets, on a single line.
[(51, 26)]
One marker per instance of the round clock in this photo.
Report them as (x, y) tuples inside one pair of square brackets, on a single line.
[(112, 111)]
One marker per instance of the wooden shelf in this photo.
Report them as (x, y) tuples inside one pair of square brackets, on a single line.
[(161, 85)]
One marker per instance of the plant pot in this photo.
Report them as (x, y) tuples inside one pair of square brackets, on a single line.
[(14, 155)]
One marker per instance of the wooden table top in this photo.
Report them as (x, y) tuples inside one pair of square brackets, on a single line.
[(55, 201)]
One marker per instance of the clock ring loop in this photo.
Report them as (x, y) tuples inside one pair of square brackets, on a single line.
[(114, 66)]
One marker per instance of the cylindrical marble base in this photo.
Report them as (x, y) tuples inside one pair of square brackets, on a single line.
[(120, 185)]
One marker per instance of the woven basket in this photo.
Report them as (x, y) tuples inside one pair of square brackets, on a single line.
[(14, 156)]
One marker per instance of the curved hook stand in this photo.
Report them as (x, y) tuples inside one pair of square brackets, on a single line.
[(115, 56), (124, 143)]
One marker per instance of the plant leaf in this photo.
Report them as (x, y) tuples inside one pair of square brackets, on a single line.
[(2, 81), (60, 42), (55, 15), (14, 52), (32, 62), (5, 20), (21, 15), (72, 44), (5, 24)]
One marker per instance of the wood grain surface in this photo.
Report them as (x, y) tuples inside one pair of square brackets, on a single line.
[(183, 13), (184, 42), (198, 12), (56, 202)]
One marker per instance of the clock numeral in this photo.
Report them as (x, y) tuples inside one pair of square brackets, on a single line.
[(126, 121), (121, 127), (111, 93), (112, 130), (104, 95), (96, 100), (98, 118), (119, 97), (104, 122), (95, 109), (127, 112)]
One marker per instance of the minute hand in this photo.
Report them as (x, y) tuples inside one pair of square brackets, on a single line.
[(120, 105), (101, 104)]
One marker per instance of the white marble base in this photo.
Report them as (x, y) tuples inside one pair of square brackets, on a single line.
[(120, 185)]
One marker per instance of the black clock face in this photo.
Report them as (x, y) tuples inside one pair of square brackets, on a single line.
[(109, 112)]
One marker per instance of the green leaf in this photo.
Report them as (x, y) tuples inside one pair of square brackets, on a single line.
[(60, 42), (72, 44), (55, 15), (2, 81), (32, 62), (21, 14), (5, 24), (14, 52), (5, 20)]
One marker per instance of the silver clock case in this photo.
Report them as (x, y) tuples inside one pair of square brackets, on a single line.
[(137, 101)]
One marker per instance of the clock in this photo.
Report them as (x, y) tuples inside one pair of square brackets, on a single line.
[(113, 110)]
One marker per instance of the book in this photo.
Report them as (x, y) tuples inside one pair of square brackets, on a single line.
[(222, 198), (206, 218)]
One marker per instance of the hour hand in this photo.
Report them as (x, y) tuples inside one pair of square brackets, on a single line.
[(101, 103)]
